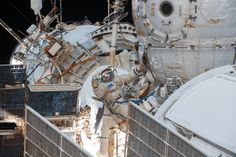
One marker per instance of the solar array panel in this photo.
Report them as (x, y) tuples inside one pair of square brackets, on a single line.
[(12, 101), (148, 138), (49, 100), (12, 74), (43, 139)]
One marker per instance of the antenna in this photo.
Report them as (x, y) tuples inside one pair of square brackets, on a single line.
[(108, 9), (20, 12), (60, 11), (7, 28)]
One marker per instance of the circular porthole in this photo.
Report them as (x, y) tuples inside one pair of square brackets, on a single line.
[(166, 8)]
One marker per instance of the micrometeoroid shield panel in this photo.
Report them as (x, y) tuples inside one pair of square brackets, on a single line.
[(187, 63)]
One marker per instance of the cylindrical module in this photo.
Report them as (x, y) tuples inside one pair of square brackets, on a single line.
[(186, 37)]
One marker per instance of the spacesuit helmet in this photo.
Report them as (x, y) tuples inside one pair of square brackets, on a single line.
[(107, 75)]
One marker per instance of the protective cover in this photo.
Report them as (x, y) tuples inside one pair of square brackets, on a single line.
[(208, 110), (187, 63)]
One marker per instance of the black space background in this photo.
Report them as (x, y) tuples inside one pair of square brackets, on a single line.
[(19, 16)]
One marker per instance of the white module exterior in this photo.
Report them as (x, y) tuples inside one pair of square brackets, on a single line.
[(199, 28), (187, 63), (78, 34), (208, 110), (205, 106), (204, 22)]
